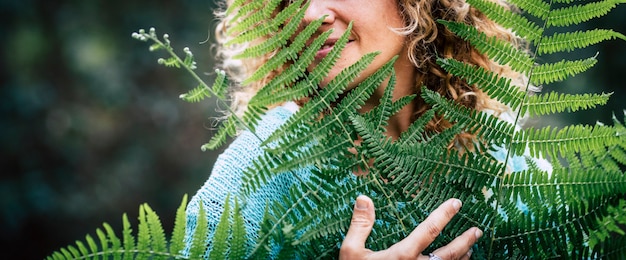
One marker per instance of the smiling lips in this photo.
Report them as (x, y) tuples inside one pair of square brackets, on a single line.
[(326, 48)]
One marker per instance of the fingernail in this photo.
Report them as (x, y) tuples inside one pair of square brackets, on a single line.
[(478, 233), (361, 203), (469, 253), (457, 204)]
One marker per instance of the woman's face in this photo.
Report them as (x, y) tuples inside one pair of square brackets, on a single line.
[(373, 21)]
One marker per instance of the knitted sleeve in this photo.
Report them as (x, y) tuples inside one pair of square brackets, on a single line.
[(226, 177)]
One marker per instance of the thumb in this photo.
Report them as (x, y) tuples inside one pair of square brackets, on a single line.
[(361, 224)]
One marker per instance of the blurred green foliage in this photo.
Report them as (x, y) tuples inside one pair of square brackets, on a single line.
[(92, 126)]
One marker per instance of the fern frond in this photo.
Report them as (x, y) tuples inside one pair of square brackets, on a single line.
[(553, 72), (577, 14), (571, 139), (539, 9), (178, 232), (332, 123), (275, 91), (129, 239), (484, 125), (276, 41), (570, 41), (496, 87), (384, 110), (610, 248), (401, 103), (116, 243), (226, 130), (524, 28), (317, 154), (221, 237), (263, 27), (280, 214), (250, 14), (333, 219), (238, 241), (498, 50), (236, 4), (291, 52), (198, 248), (415, 133), (170, 62), (157, 234), (327, 95), (195, 95), (143, 232), (554, 102), (151, 241), (608, 227)]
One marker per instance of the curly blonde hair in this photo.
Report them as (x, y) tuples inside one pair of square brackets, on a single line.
[(427, 39)]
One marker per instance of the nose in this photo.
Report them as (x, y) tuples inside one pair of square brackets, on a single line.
[(317, 9)]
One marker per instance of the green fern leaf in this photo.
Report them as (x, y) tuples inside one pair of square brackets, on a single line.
[(221, 237), (81, 247), (331, 124), (201, 92), (496, 87), (498, 50), (276, 41), (236, 4), (74, 252), (226, 130), (577, 14), (238, 242), (64, 254), (253, 13), (157, 234), (116, 244), (275, 91), (552, 72), (291, 52), (571, 41), (328, 95), (170, 62), (539, 9), (554, 102), (487, 126), (264, 28), (143, 233), (570, 139), (178, 232), (415, 133), (104, 243), (198, 248), (91, 243), (525, 29), (385, 109), (129, 239)]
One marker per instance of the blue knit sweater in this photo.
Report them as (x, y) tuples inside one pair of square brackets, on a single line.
[(226, 178)]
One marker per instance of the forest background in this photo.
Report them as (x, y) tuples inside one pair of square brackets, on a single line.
[(91, 126)]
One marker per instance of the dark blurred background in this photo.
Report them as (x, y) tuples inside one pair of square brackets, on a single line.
[(92, 126)]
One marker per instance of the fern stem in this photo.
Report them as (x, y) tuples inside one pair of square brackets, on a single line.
[(197, 78), (500, 179)]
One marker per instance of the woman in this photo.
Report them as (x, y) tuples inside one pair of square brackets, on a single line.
[(406, 28)]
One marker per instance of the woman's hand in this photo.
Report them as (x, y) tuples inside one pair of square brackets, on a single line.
[(353, 246)]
